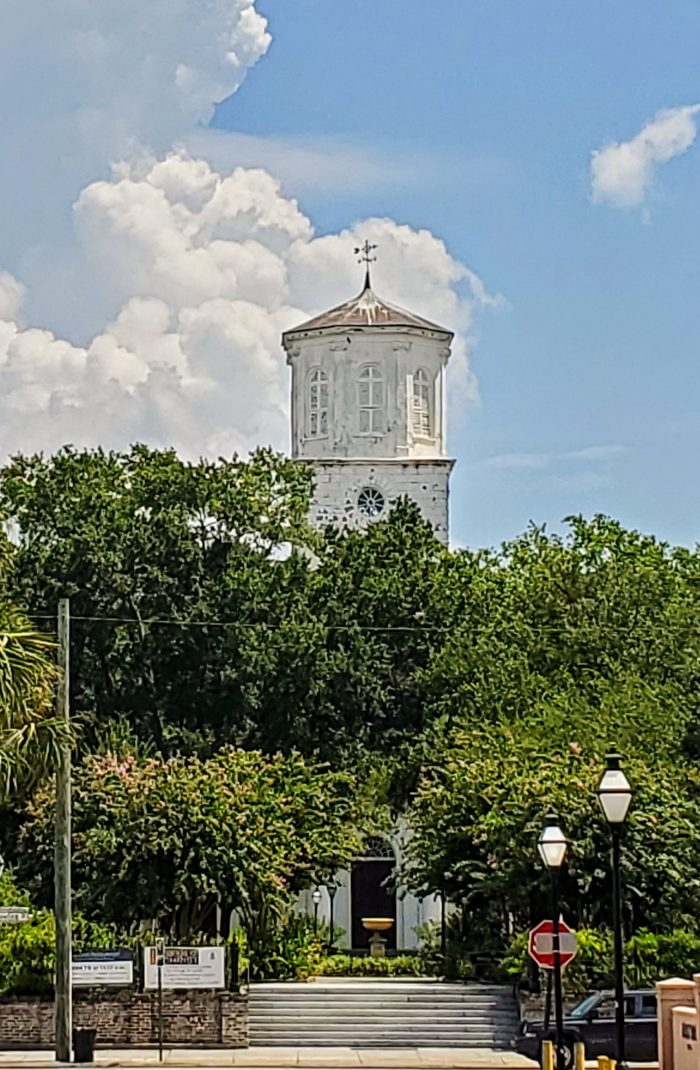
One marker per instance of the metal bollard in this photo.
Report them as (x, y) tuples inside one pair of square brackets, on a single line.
[(547, 1055), (603, 1062), (579, 1055)]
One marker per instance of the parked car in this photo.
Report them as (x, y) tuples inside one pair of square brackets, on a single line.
[(593, 1022)]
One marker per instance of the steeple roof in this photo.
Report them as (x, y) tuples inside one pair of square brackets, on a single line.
[(368, 310)]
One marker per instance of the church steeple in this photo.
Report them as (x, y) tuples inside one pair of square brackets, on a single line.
[(368, 411)]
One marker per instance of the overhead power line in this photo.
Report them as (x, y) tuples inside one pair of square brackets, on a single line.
[(177, 622)]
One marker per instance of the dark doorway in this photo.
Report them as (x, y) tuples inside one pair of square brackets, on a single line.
[(372, 894)]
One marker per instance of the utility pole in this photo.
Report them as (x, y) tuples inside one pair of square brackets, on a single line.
[(62, 857)]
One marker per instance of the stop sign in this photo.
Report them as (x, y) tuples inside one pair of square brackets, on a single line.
[(541, 940)]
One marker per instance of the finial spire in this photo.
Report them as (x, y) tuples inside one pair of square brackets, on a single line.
[(364, 256)]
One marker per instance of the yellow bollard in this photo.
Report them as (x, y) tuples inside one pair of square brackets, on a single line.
[(603, 1062), (612, 1064), (547, 1055), (579, 1055)]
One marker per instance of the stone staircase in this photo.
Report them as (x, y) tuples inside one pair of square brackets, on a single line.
[(382, 1013)]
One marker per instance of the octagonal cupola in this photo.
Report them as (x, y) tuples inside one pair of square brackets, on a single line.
[(368, 381), (368, 408)]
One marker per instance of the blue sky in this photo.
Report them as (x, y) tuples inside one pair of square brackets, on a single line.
[(486, 113), (150, 258)]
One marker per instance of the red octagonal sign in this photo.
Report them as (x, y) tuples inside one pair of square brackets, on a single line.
[(540, 944)]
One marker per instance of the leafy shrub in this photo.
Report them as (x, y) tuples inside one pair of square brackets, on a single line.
[(290, 949), (11, 895), (27, 951), (514, 964), (591, 969), (649, 957), (593, 966), (456, 963), (27, 956), (371, 966), (238, 947)]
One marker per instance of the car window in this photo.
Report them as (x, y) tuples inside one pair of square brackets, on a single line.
[(582, 1009), (606, 1008), (648, 1006), (630, 1007)]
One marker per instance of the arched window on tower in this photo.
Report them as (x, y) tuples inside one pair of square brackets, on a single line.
[(371, 401), (317, 410), (422, 404)]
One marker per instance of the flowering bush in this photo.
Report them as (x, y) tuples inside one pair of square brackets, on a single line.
[(167, 840)]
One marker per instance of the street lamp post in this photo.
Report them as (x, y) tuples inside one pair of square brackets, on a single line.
[(552, 846), (615, 795), (331, 888), (316, 897)]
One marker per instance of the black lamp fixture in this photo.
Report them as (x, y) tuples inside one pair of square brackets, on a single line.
[(615, 795), (552, 846), (331, 888)]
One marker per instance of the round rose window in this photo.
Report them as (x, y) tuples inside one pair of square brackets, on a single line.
[(370, 502)]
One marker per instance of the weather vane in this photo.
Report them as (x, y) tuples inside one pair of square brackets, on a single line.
[(364, 256)]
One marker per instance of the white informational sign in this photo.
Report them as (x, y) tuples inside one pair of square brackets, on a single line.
[(102, 968), (185, 967), (14, 915)]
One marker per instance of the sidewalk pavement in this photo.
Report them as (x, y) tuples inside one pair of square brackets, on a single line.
[(273, 1058), (307, 1058)]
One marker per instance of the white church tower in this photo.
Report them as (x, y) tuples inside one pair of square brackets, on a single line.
[(368, 415), (368, 410)]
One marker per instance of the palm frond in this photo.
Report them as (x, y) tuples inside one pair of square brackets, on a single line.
[(30, 735)]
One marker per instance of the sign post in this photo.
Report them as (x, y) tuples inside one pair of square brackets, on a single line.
[(62, 849), (541, 944), (160, 959)]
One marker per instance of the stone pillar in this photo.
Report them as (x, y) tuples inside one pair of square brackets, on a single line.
[(669, 994), (685, 1038)]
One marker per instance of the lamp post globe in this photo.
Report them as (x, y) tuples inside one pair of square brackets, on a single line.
[(615, 795), (552, 846), (614, 791), (552, 843), (316, 899)]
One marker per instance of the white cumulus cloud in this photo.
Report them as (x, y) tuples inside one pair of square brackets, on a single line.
[(154, 311), (85, 83), (622, 172), (207, 270)]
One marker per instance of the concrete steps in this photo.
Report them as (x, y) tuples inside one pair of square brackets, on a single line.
[(382, 1013)]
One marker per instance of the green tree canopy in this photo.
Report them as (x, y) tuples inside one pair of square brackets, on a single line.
[(167, 840), (570, 644), (487, 684), (166, 564), (190, 623)]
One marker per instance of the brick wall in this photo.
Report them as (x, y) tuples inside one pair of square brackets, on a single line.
[(190, 1019)]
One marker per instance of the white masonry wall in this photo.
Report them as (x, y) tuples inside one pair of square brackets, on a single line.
[(339, 483), (398, 354)]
